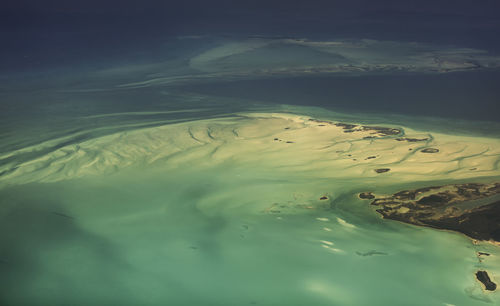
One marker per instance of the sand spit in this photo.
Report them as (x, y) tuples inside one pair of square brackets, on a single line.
[(280, 142)]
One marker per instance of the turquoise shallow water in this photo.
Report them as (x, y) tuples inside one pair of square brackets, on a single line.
[(226, 234)]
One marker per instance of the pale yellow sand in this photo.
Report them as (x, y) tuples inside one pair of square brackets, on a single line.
[(305, 147)]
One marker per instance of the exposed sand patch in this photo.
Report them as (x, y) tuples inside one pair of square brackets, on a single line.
[(279, 142)]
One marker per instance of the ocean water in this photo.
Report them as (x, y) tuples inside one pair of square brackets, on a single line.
[(106, 198)]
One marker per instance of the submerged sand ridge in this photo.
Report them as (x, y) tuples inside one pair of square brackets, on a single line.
[(259, 57), (280, 142)]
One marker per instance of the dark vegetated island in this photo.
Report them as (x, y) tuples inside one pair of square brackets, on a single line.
[(350, 128), (472, 209), (484, 278), (411, 139), (366, 195), (429, 150), (463, 208)]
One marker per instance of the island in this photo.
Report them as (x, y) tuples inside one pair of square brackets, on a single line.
[(472, 209), (484, 278)]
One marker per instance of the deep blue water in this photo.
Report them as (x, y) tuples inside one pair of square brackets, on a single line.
[(465, 95), (45, 35)]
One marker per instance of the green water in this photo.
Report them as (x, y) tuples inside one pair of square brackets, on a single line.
[(225, 234)]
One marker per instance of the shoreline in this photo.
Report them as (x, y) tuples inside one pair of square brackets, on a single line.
[(443, 208)]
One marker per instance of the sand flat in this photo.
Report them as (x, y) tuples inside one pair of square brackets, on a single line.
[(282, 142)]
